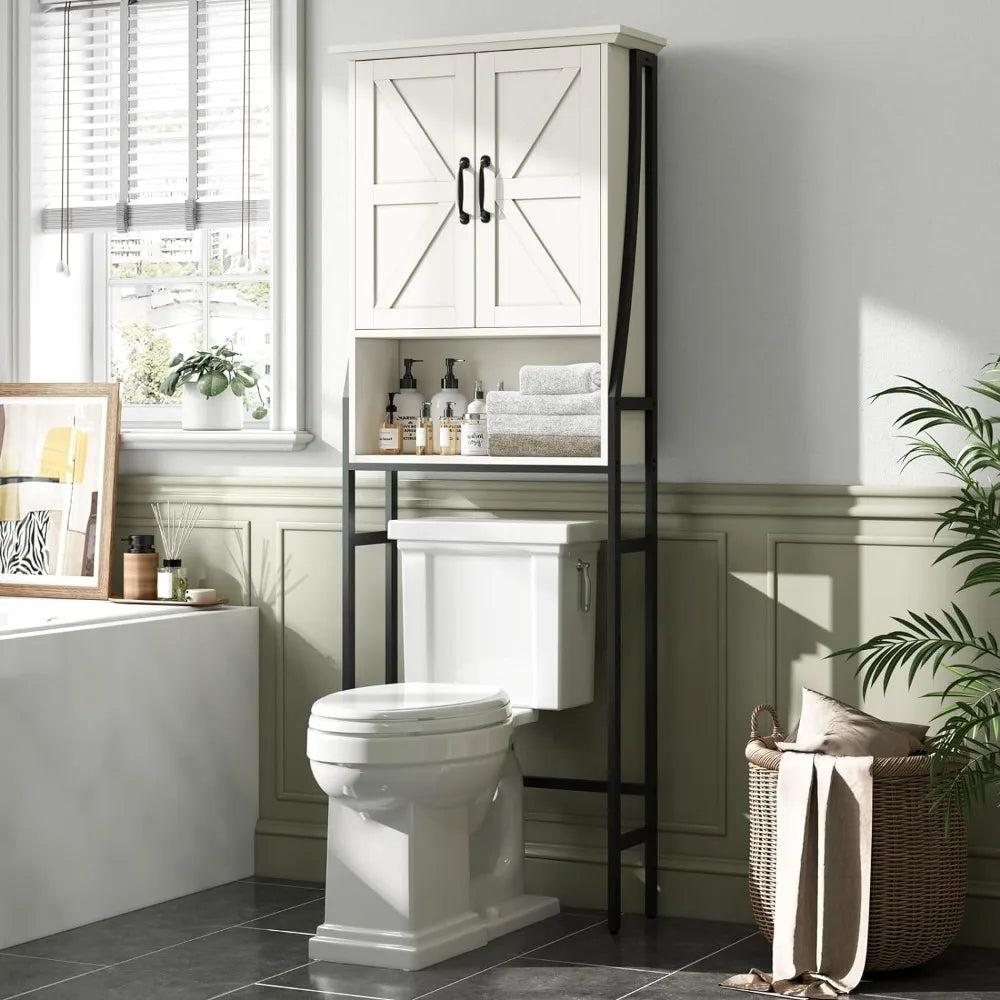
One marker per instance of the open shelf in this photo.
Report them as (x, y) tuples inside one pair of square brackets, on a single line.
[(378, 364), (481, 333), (470, 463)]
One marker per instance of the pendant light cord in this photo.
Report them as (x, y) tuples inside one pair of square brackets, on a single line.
[(63, 266), (245, 165)]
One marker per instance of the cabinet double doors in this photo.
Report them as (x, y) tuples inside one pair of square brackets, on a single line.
[(477, 186)]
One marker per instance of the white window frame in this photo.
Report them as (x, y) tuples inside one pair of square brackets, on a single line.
[(287, 411)]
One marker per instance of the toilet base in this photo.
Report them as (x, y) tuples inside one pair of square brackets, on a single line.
[(409, 952), (517, 912), (398, 949)]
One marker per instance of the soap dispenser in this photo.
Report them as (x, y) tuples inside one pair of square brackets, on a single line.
[(408, 404), (448, 394), (449, 432), (390, 434)]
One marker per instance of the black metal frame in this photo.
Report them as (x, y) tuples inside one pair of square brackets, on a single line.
[(642, 143)]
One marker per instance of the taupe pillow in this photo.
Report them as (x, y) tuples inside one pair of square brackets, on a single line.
[(830, 727)]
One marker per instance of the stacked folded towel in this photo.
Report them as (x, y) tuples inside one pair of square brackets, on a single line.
[(556, 413)]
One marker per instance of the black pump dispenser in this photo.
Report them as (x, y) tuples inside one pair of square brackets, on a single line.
[(408, 381), (390, 409), (450, 381)]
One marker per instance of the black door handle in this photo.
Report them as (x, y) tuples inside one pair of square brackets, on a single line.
[(463, 216), (484, 162)]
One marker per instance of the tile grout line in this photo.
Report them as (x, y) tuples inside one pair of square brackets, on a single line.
[(322, 993), (513, 958), (674, 972), (644, 986), (156, 951), (315, 887), (42, 958), (597, 965), (58, 982)]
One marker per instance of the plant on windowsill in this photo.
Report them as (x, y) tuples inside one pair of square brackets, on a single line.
[(965, 752), (214, 383)]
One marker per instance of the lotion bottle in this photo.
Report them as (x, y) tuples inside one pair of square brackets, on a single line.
[(390, 434), (424, 435), (478, 403), (408, 404), (448, 394)]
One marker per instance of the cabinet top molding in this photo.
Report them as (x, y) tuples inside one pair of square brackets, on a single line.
[(611, 34)]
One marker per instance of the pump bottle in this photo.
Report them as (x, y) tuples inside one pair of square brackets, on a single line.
[(408, 404), (390, 434), (448, 394)]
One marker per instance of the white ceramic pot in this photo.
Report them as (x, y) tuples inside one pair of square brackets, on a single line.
[(210, 413)]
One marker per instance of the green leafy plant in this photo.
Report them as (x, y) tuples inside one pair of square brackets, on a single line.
[(966, 750), (216, 370)]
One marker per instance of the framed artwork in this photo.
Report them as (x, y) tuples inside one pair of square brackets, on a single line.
[(58, 474)]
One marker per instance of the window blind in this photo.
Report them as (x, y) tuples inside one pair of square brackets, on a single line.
[(158, 134)]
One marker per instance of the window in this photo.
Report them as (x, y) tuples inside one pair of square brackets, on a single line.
[(170, 291), (154, 137)]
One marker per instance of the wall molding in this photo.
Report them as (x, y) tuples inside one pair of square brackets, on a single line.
[(281, 528), (573, 494), (720, 540), (776, 539)]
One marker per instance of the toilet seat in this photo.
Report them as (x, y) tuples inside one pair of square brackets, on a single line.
[(409, 723)]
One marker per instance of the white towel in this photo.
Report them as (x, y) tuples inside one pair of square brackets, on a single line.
[(560, 379), (823, 879), (552, 404), (586, 425)]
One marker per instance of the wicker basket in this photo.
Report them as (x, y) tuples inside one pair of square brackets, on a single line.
[(918, 871)]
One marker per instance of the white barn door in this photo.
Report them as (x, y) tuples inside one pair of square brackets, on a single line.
[(414, 257), (538, 134)]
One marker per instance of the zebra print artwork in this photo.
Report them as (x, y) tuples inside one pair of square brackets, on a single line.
[(23, 548)]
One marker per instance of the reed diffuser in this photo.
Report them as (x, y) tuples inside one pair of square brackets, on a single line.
[(175, 523)]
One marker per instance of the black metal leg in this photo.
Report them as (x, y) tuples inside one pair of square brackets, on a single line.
[(391, 582), (347, 533), (613, 665), (651, 609)]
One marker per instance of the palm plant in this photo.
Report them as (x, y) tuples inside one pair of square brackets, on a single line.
[(966, 750)]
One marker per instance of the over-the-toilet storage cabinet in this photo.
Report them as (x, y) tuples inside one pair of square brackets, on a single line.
[(488, 199)]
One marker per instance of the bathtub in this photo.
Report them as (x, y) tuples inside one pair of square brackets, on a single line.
[(128, 757)]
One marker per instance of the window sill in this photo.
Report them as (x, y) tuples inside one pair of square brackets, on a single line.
[(248, 439)]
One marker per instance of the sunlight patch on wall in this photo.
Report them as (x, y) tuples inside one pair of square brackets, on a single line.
[(894, 343)]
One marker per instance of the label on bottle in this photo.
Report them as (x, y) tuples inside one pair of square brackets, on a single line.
[(444, 436), (409, 425), (388, 439), (420, 436), (473, 439)]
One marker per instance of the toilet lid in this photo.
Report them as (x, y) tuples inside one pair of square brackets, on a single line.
[(411, 709)]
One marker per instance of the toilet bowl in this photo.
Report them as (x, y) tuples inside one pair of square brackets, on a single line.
[(424, 842)]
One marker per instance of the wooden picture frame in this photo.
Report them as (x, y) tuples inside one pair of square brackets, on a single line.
[(58, 484)]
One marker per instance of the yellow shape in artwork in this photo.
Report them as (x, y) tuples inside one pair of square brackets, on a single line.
[(64, 455)]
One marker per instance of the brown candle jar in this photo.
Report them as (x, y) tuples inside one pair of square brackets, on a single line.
[(139, 565)]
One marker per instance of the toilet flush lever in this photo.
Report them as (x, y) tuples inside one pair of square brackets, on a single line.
[(586, 587)]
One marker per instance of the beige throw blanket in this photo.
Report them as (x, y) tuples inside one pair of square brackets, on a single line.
[(823, 877)]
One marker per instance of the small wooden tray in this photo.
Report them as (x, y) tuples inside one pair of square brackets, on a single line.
[(217, 603)]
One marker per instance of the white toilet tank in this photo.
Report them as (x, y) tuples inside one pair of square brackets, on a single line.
[(501, 602)]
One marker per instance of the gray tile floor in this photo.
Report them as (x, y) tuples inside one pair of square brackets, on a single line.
[(247, 941)]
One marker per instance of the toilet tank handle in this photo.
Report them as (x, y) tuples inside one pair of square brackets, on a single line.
[(586, 587)]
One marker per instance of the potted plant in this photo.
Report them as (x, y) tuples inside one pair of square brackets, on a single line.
[(214, 383), (965, 751)]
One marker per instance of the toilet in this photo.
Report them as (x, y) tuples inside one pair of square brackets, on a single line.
[(425, 843)]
